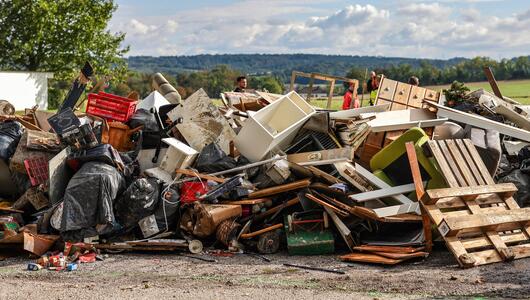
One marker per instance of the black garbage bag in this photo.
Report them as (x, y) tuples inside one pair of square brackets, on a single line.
[(137, 202), (213, 159), (505, 166), (165, 217), (522, 182), (524, 159), (10, 134), (88, 201), (150, 133)]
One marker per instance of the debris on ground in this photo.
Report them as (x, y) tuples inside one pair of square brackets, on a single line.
[(266, 173)]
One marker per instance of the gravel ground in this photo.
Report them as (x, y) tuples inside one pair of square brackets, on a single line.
[(148, 275)]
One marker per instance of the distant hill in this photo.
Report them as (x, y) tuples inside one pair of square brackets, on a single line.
[(277, 64)]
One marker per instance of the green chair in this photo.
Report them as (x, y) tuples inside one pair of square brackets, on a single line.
[(391, 164)]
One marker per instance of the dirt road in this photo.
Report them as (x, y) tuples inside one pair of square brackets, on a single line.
[(147, 276)]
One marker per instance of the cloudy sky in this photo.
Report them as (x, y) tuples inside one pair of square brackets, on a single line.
[(428, 29)]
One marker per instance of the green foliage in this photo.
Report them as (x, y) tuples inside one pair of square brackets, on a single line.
[(456, 93), (59, 36), (266, 83)]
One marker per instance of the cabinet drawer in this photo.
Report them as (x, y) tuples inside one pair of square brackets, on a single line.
[(387, 89)]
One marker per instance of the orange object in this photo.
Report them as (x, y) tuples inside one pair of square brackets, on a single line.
[(119, 136)]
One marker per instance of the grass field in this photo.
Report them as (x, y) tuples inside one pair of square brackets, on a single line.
[(518, 90)]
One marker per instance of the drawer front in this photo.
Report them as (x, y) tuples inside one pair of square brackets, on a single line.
[(387, 89), (431, 95), (417, 94)]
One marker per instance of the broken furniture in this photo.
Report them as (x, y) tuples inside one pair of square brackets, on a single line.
[(391, 163), (274, 126), (401, 97)]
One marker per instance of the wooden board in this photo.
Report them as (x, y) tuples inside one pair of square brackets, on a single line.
[(370, 258)]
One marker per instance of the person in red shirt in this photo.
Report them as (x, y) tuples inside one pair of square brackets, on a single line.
[(348, 98)]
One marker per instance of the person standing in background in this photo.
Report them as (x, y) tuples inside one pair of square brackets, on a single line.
[(413, 80), (372, 86), (241, 84), (348, 98)]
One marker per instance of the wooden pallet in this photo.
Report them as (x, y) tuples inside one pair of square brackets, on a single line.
[(479, 220)]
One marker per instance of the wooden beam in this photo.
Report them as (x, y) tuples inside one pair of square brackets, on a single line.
[(293, 78), (330, 95), (493, 82), (260, 232), (300, 184), (199, 175), (420, 192)]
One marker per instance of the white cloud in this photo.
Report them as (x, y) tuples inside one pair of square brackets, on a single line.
[(410, 29), (171, 26), (137, 27), (425, 10)]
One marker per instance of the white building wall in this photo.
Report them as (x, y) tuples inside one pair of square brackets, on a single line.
[(25, 89)]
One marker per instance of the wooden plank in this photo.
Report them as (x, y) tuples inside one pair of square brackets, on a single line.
[(481, 242), (461, 163), (369, 258), (280, 189), (323, 175), (389, 249), (459, 251), (382, 193), (506, 219), (325, 204), (420, 192), (452, 165), (442, 164), (330, 96), (493, 82), (415, 169), (491, 256), (261, 231), (275, 209), (402, 255), (199, 175), (506, 189), (473, 167), (478, 161)]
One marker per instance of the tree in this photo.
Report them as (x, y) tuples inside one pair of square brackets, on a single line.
[(269, 83), (59, 36)]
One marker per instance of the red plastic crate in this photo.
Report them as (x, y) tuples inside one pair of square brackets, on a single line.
[(37, 169), (110, 107)]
